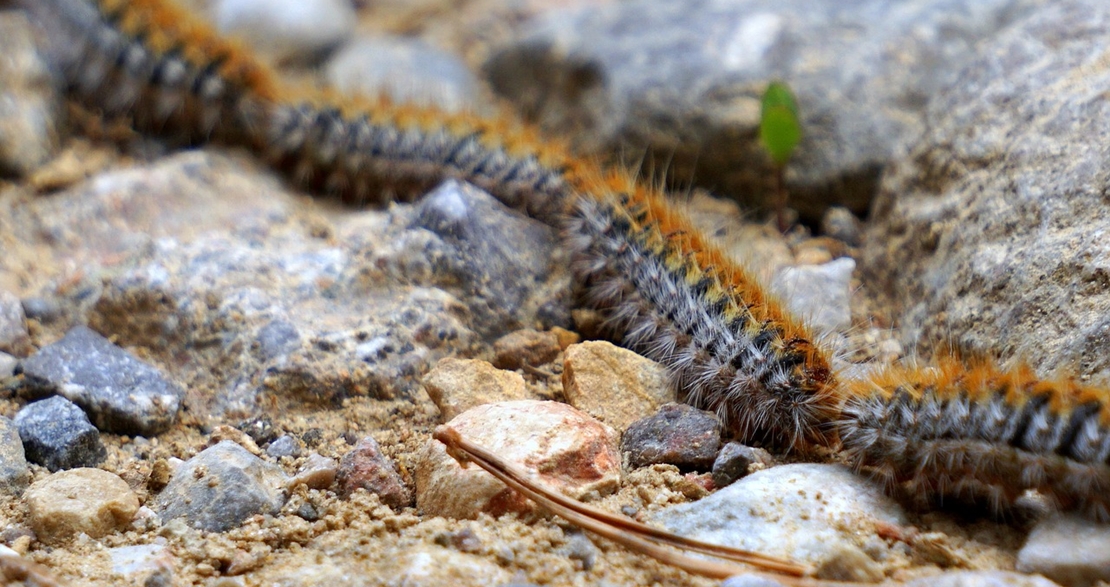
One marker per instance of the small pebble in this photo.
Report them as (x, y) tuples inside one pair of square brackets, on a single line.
[(614, 385), (120, 393), (563, 447), (820, 294), (8, 364), (839, 223), (45, 310), (677, 434), (525, 347), (141, 559), (221, 487), (750, 580), (58, 435), (287, 30), (14, 338), (89, 501), (284, 446), (318, 472), (1068, 549), (14, 474), (736, 460), (365, 467), (456, 385), (981, 579)]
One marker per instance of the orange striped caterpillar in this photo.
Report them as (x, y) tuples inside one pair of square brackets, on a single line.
[(662, 289)]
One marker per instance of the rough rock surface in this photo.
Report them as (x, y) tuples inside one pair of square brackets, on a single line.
[(1069, 550), (990, 234), (88, 501), (14, 474), (58, 435), (568, 450), (14, 338), (677, 435), (863, 71), (456, 385), (28, 107), (810, 513), (220, 487), (286, 29), (118, 391), (736, 460), (365, 467), (612, 384)]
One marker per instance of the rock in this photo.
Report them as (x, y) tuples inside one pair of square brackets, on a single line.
[(284, 446), (1069, 550), (317, 472), (677, 435), (89, 501), (30, 106), (220, 488), (45, 310), (806, 512), (8, 364), (14, 474), (819, 294), (58, 435), (841, 224), (14, 338), (736, 460), (566, 449), (141, 562), (981, 579), (287, 30), (525, 347), (365, 467), (431, 566), (456, 385), (990, 232), (119, 392), (690, 92), (612, 384), (750, 580), (406, 70)]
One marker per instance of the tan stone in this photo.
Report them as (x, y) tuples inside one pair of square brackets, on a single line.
[(89, 501), (612, 384), (456, 385)]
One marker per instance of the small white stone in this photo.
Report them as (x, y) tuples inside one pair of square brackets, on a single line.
[(1067, 549), (287, 29), (819, 293)]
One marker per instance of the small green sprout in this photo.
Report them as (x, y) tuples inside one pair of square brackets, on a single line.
[(779, 132)]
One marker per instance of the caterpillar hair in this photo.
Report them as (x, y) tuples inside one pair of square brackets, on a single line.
[(980, 434)]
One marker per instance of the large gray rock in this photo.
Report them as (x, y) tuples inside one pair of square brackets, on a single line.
[(992, 232), (685, 80)]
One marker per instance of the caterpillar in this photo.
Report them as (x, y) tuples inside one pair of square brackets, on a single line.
[(661, 288)]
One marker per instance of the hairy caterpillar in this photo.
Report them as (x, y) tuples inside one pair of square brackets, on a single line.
[(662, 288)]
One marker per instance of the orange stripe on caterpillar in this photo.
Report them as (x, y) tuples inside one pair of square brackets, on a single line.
[(976, 433)]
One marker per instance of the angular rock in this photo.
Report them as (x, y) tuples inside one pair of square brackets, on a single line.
[(456, 385), (143, 564), (1069, 550), (981, 579), (8, 364), (525, 347), (284, 446), (809, 513), (819, 294), (31, 106), (566, 449), (862, 70), (612, 384), (406, 70), (318, 472), (14, 474), (89, 501), (365, 467), (58, 435), (220, 488), (677, 435), (14, 338), (736, 460), (287, 30), (990, 233), (119, 392)]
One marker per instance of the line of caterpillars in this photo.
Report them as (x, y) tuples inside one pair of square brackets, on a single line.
[(951, 431)]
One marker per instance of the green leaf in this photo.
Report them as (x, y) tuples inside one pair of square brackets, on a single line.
[(779, 128)]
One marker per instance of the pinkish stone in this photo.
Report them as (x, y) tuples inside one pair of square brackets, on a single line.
[(365, 467)]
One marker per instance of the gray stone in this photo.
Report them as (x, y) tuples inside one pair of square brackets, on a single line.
[(287, 30), (690, 91), (220, 488), (809, 513), (841, 224), (735, 460), (820, 294), (58, 435), (45, 310), (991, 233), (121, 393), (284, 446), (14, 338), (29, 104), (406, 70), (677, 434), (14, 474), (981, 579), (8, 364), (1070, 550)]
